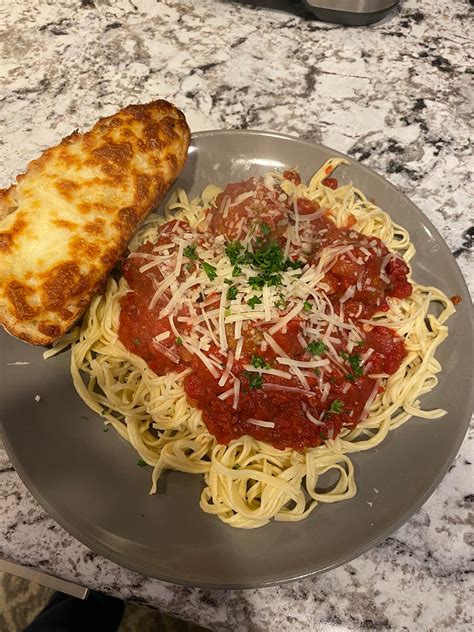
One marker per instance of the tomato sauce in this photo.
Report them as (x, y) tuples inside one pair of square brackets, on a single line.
[(139, 324), (357, 284)]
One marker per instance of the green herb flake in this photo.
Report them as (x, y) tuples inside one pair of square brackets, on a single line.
[(210, 270), (236, 466), (293, 265), (232, 292), (259, 363), (190, 252), (257, 282), (141, 463), (270, 258), (255, 380), (336, 407), (179, 341), (343, 354), (316, 348), (273, 279), (265, 228), (354, 360), (254, 300), (228, 281), (236, 271), (232, 250), (264, 278), (307, 306)]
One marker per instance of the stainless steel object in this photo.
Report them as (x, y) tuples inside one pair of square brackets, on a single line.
[(45, 579), (350, 12)]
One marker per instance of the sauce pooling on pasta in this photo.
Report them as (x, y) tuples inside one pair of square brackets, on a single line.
[(268, 304)]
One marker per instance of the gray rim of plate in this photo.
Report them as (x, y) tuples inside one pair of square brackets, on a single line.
[(87, 480)]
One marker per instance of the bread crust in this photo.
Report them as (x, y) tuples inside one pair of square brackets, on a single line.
[(70, 215)]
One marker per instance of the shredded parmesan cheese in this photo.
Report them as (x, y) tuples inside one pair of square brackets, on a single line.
[(261, 423)]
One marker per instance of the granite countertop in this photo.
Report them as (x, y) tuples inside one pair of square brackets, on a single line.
[(394, 96)]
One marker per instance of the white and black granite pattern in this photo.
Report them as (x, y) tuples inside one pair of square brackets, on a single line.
[(418, 579), (397, 97)]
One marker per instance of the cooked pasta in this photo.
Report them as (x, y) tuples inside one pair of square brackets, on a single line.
[(269, 296)]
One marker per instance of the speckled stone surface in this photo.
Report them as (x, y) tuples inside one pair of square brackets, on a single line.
[(398, 97)]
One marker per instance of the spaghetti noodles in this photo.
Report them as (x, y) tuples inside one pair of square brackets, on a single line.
[(259, 336)]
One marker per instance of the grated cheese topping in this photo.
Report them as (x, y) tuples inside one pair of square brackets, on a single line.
[(218, 308)]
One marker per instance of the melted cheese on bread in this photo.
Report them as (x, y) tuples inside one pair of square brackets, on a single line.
[(69, 217)]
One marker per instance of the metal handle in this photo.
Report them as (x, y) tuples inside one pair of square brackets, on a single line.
[(43, 578)]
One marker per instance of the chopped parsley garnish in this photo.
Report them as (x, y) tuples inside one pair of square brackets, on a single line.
[(236, 271), (273, 279), (354, 361), (316, 348), (360, 343), (179, 341), (294, 265), (264, 278), (256, 282), (281, 303), (268, 259), (254, 300), (228, 281), (265, 228), (255, 380), (232, 292), (271, 258), (259, 363), (190, 252), (136, 341), (141, 463), (307, 306), (232, 250), (209, 270), (336, 407)]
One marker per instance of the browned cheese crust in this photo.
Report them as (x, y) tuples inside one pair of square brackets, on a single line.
[(69, 217)]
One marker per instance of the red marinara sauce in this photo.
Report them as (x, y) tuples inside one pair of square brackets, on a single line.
[(139, 324), (361, 277)]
